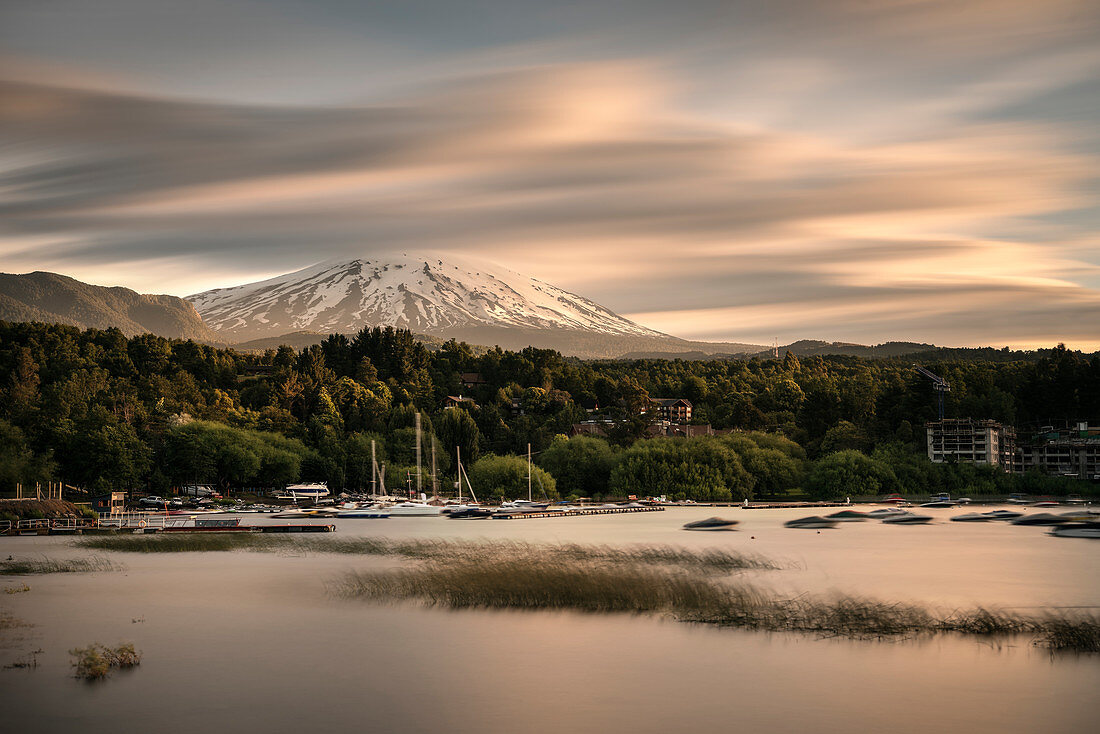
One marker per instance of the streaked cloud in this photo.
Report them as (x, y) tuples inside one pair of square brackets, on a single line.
[(856, 171)]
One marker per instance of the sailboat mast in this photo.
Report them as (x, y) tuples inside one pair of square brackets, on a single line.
[(373, 470), (458, 460), (435, 487), (418, 454), (528, 472)]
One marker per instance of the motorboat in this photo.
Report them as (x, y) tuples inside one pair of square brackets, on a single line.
[(939, 503), (470, 513), (1082, 515), (304, 514), (711, 523), (848, 516), (1077, 530), (1003, 514), (908, 519), (885, 512), (972, 517), (369, 512), (811, 523), (1046, 503), (307, 491), (414, 509), (524, 506), (1040, 518)]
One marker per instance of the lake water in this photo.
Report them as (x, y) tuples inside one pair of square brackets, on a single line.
[(252, 641)]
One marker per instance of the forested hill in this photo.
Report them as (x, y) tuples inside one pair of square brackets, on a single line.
[(54, 298), (100, 409)]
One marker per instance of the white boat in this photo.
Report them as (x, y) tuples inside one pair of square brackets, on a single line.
[(810, 523), (369, 512), (304, 514), (414, 509), (523, 506), (305, 491)]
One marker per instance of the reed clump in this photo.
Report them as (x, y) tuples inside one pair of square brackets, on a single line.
[(96, 661), (528, 584), (712, 560), (34, 566), (173, 542)]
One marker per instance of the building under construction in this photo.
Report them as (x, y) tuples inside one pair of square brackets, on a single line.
[(971, 441), (1068, 453)]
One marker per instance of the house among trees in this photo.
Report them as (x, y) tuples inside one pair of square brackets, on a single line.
[(458, 401), (673, 410), (472, 379)]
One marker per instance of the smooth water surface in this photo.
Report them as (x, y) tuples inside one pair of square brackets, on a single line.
[(253, 641)]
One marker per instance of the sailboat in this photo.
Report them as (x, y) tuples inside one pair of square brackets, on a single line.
[(372, 511), (413, 508), (463, 511), (527, 505)]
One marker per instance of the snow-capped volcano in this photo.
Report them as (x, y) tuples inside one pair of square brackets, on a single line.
[(429, 295)]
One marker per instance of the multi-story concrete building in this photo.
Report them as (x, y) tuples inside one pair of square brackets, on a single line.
[(1067, 453), (972, 441)]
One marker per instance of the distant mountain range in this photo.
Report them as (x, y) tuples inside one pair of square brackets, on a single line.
[(54, 298), (436, 299)]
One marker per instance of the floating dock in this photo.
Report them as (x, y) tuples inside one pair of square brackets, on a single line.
[(573, 513)]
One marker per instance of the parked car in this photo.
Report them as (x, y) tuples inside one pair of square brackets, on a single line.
[(152, 501)]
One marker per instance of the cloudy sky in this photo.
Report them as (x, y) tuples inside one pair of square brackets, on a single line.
[(860, 170)]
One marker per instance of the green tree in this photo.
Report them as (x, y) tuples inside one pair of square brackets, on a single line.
[(581, 465), (850, 473), (506, 476)]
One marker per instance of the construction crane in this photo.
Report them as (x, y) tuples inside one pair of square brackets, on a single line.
[(939, 384)]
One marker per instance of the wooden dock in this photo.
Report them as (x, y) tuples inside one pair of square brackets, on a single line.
[(574, 512)]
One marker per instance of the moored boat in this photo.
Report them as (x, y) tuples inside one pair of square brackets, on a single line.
[(1040, 518), (470, 513), (885, 512), (711, 523), (810, 523), (366, 513), (1003, 514), (908, 519), (848, 516), (972, 517), (414, 509), (1077, 530)]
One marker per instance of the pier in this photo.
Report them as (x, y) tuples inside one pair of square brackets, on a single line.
[(574, 512)]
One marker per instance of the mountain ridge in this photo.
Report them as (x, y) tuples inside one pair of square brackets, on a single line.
[(56, 298)]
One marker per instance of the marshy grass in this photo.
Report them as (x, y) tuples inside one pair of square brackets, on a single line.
[(96, 661), (688, 597), (34, 566), (710, 560)]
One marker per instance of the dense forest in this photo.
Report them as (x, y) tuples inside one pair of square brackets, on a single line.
[(101, 411)]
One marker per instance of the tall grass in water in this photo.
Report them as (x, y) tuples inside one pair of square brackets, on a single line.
[(27, 566), (714, 560), (95, 661), (586, 587)]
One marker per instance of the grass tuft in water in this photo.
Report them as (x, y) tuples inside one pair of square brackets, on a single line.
[(28, 567), (96, 661)]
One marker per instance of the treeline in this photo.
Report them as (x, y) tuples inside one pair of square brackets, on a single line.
[(99, 410)]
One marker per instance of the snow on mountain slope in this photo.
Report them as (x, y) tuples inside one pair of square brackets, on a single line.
[(423, 294)]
